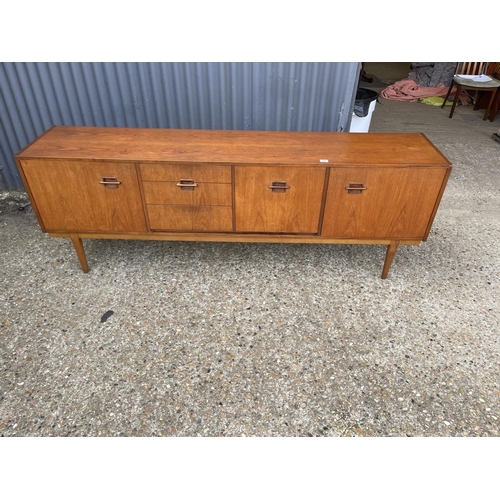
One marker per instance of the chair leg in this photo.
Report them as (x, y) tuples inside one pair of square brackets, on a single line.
[(490, 104), (459, 89), (447, 95), (476, 100), (494, 108)]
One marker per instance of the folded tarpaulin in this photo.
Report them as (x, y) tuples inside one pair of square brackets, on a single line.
[(408, 90)]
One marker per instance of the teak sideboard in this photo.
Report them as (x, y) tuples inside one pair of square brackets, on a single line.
[(244, 186)]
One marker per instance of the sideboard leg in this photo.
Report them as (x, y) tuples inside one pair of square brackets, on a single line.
[(80, 251), (391, 251)]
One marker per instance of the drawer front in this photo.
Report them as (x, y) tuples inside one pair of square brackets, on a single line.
[(190, 218), (188, 197), (176, 172), (169, 193), (294, 208), (391, 202)]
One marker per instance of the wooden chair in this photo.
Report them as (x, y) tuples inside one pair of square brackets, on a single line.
[(495, 72), (472, 68)]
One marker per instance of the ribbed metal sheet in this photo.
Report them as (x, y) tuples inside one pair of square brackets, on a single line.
[(242, 96)]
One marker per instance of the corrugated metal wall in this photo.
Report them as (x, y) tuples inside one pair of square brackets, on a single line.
[(244, 96)]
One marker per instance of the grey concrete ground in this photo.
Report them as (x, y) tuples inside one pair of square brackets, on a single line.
[(260, 339)]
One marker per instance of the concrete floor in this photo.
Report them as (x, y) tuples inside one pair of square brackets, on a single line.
[(260, 339)]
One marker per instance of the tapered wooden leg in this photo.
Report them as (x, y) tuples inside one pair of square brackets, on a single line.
[(391, 251), (80, 251)]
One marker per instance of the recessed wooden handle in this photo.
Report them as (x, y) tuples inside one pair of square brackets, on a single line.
[(356, 188), (110, 182), (279, 186), (187, 184)]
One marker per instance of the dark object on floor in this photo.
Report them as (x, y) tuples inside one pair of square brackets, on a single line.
[(470, 69), (365, 77), (496, 137), (106, 316), (364, 97)]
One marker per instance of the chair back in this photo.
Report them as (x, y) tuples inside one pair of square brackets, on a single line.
[(471, 68), (494, 70)]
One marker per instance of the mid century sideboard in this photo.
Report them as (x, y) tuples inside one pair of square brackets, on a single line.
[(227, 185)]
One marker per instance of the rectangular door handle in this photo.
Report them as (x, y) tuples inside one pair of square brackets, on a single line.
[(279, 186), (110, 182), (356, 188), (187, 184)]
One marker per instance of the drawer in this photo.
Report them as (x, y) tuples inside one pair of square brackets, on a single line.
[(169, 193), (177, 171), (190, 218)]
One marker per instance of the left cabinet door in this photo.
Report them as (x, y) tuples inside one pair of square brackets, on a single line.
[(87, 196)]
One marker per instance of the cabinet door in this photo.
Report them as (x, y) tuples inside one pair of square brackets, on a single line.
[(295, 208), (70, 197), (391, 202)]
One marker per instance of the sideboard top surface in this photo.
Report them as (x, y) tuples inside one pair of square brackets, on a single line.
[(234, 146)]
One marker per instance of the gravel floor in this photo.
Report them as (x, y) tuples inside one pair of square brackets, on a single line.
[(216, 339)]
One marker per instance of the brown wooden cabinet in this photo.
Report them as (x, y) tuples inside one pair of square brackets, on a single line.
[(246, 186)]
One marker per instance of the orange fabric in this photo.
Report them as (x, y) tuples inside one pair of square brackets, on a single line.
[(408, 90)]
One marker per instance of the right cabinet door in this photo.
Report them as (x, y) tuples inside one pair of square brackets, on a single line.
[(382, 202)]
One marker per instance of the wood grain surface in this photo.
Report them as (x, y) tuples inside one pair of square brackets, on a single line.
[(190, 218), (234, 146), (259, 209), (205, 193), (397, 203), (69, 196)]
